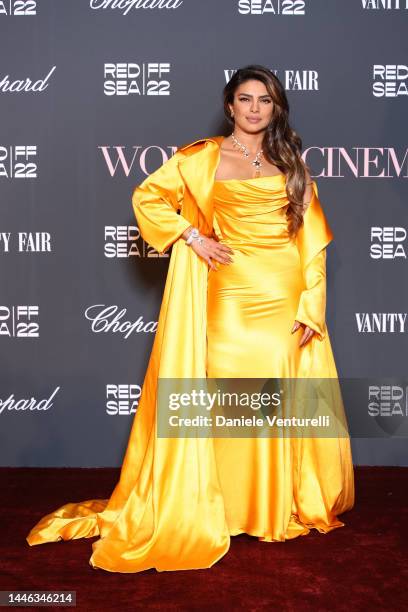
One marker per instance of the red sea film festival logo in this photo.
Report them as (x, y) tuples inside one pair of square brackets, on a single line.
[(19, 321), (390, 80), (18, 161), (130, 78), (122, 400), (272, 7), (18, 8)]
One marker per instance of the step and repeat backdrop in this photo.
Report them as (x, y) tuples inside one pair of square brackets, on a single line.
[(97, 94)]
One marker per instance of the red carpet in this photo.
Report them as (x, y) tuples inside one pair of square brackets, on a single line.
[(357, 567)]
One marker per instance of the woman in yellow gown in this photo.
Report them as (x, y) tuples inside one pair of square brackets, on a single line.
[(243, 299)]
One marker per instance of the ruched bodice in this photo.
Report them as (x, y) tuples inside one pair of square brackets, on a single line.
[(257, 295), (251, 211)]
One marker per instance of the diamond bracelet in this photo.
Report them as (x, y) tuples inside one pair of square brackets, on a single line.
[(194, 235)]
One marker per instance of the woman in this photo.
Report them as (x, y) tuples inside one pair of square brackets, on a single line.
[(244, 298)]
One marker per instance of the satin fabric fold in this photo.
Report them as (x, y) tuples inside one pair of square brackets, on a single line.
[(168, 508)]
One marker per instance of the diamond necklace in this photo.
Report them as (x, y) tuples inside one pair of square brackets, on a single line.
[(256, 162)]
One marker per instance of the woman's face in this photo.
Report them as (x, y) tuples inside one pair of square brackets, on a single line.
[(252, 107)]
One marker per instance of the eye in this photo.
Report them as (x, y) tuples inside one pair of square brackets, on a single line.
[(267, 100), (243, 99)]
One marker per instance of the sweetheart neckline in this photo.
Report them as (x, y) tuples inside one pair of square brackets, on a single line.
[(248, 179)]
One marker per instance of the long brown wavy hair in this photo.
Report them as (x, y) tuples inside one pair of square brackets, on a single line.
[(281, 144)]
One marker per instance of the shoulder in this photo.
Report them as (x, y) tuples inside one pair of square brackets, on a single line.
[(186, 151), (190, 148)]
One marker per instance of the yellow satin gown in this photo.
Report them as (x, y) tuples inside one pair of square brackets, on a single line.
[(252, 305), (178, 501)]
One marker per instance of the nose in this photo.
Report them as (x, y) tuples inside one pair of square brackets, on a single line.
[(254, 106)]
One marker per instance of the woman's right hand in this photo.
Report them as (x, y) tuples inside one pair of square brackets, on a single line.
[(212, 250)]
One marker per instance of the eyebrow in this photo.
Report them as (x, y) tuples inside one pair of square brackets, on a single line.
[(250, 96)]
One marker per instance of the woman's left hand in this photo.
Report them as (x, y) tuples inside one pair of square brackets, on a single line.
[(307, 334)]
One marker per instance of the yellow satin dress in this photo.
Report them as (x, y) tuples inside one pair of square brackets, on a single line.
[(252, 305), (179, 500)]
